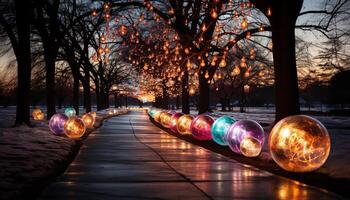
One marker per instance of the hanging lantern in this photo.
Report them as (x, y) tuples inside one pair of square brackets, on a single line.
[(183, 125), (299, 143), (244, 23), (70, 112), (56, 124), (201, 127), (213, 13), (222, 62), (74, 127), (88, 120), (123, 30), (236, 71), (246, 89), (241, 130), (219, 129)]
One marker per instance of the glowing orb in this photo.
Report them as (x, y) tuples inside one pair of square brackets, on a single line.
[(74, 127), (93, 114), (201, 127), (110, 111), (183, 125), (250, 147), (299, 143), (38, 114), (152, 112), (56, 124), (88, 120), (173, 121), (157, 116), (165, 119), (70, 112), (220, 128), (241, 130)]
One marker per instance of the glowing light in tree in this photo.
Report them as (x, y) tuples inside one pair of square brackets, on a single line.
[(299, 143)]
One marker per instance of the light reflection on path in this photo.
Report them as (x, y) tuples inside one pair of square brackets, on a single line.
[(117, 163)]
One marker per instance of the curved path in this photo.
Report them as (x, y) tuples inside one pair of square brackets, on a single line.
[(130, 158)]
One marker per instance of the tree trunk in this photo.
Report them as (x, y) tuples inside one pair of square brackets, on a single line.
[(223, 104), (23, 56), (185, 101), (204, 95), (76, 94), (283, 37), (87, 95), (177, 101), (50, 83)]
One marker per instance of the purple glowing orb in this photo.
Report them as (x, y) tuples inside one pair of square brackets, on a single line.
[(241, 130), (201, 127), (56, 124)]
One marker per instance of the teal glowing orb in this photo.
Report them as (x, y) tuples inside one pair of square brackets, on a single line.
[(70, 112), (152, 112), (219, 129)]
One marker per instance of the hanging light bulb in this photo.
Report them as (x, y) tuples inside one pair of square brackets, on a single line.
[(204, 27), (94, 13), (206, 75), (269, 12), (236, 70), (213, 13), (202, 64), (222, 62), (244, 23)]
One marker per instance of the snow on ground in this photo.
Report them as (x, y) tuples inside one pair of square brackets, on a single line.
[(31, 156)]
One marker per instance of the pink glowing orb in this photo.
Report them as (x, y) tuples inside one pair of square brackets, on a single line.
[(173, 121), (201, 127)]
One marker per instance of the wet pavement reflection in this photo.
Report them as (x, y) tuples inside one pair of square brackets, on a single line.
[(130, 158)]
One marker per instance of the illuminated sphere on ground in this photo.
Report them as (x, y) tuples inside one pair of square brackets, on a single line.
[(173, 121), (37, 114), (250, 147), (201, 127), (70, 112), (157, 116), (56, 124), (165, 119), (220, 128), (93, 114), (183, 125), (299, 143), (88, 120), (152, 112), (74, 127), (241, 130)]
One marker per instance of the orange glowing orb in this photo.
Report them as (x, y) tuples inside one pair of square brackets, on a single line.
[(93, 114), (88, 120), (165, 119), (156, 116), (74, 127), (38, 114), (299, 143), (250, 147), (183, 124)]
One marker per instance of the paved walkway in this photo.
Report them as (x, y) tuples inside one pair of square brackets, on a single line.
[(129, 158)]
